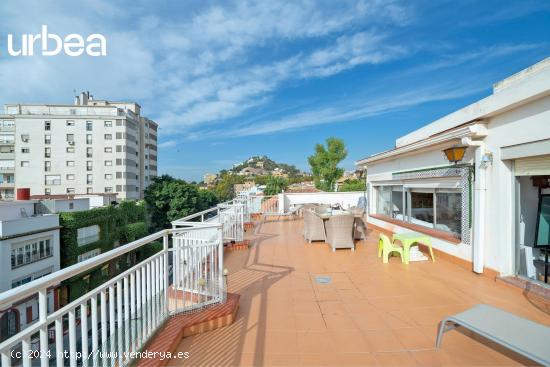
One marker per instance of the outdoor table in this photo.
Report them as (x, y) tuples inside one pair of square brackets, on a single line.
[(408, 239)]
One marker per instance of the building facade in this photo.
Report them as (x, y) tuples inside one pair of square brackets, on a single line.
[(29, 249), (93, 146), (491, 209)]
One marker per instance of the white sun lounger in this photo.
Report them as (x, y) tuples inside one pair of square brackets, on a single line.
[(520, 335)]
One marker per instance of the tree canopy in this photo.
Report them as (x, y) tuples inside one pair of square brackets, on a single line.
[(324, 163), (275, 185), (168, 199), (354, 185)]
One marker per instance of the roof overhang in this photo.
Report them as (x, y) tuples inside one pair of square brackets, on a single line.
[(474, 131)]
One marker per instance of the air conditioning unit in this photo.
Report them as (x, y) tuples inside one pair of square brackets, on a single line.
[(71, 142)]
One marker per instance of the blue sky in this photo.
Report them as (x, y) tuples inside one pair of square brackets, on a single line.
[(231, 79)]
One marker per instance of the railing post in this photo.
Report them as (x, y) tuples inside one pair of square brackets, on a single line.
[(42, 315), (220, 264), (166, 267)]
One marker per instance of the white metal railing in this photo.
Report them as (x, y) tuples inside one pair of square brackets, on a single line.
[(230, 214), (107, 324), (263, 204)]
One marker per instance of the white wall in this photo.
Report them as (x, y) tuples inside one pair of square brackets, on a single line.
[(346, 199)]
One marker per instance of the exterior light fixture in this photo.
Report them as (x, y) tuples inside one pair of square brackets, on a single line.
[(455, 154)]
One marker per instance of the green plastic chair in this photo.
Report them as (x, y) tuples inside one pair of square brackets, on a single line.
[(386, 248)]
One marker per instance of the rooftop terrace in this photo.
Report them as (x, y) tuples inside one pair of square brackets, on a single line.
[(370, 314), (364, 313)]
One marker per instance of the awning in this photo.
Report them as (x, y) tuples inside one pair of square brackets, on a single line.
[(533, 166)]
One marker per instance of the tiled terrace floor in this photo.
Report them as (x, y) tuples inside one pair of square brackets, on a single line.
[(371, 313)]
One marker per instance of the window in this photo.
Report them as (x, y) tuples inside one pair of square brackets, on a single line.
[(119, 148), (89, 190), (108, 124), (89, 152), (89, 126), (87, 235), (70, 190), (119, 162), (70, 138), (29, 252), (47, 191), (108, 189), (70, 122), (70, 149), (88, 165), (25, 150), (88, 138), (108, 136), (47, 166), (89, 254), (47, 125), (89, 179), (6, 149), (71, 205), (435, 208), (108, 149), (70, 163), (449, 211), (70, 177), (119, 123), (422, 207), (108, 176), (72, 111), (47, 152), (53, 180), (120, 135), (24, 163), (47, 139), (7, 138), (25, 138), (108, 163)]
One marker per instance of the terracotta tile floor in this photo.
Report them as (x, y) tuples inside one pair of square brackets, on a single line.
[(370, 314)]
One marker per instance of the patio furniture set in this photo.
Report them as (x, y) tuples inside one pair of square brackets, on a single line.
[(337, 227)]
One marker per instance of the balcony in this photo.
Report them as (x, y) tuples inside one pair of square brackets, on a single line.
[(367, 313), (28, 224)]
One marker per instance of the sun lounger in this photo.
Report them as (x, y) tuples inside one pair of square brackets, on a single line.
[(520, 335)]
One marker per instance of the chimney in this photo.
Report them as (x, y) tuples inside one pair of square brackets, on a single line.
[(84, 98)]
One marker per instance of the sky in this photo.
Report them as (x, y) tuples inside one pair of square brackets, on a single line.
[(227, 80)]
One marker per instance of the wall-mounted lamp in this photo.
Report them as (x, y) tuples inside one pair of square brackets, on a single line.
[(455, 154)]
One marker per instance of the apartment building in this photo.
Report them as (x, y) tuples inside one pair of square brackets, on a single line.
[(29, 249), (89, 147)]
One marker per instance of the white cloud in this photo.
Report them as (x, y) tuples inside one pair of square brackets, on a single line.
[(200, 66), (168, 144)]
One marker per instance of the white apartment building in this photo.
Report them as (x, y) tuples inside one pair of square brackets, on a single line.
[(92, 146), (29, 249)]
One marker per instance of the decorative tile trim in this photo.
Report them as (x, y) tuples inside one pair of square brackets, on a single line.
[(465, 175)]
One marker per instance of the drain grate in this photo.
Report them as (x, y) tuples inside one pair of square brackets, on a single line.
[(323, 279)]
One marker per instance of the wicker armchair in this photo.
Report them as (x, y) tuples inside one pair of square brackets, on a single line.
[(314, 227), (340, 231)]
